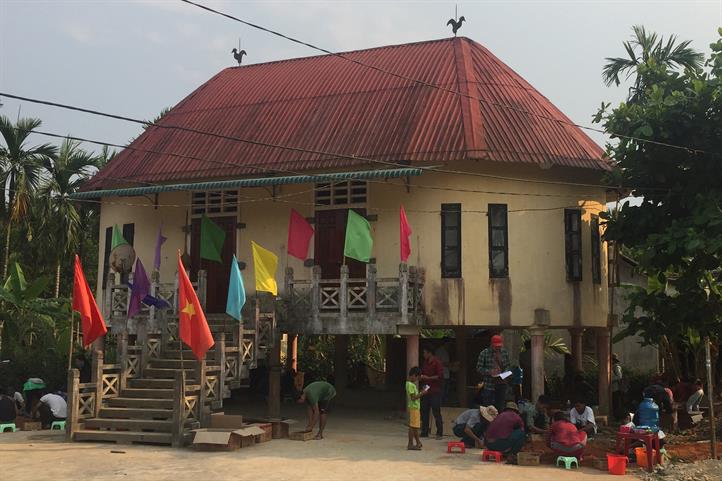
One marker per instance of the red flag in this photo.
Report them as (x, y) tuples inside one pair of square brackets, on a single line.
[(84, 303), (404, 232), (299, 235), (192, 324)]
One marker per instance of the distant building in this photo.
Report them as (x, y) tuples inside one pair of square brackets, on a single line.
[(503, 195)]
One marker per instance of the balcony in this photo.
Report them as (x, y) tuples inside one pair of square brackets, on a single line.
[(368, 305)]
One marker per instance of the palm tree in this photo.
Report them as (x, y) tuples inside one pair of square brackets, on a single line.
[(649, 50), (20, 172), (60, 216)]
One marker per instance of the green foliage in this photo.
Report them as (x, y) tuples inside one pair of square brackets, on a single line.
[(553, 346), (676, 232)]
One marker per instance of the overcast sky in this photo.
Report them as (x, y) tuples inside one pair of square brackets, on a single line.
[(135, 57)]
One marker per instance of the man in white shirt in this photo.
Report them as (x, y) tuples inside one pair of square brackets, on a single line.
[(51, 407), (583, 417)]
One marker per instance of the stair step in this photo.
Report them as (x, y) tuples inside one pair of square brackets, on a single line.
[(165, 373), (123, 437), (151, 383), (140, 403), (161, 426), (135, 413), (147, 393)]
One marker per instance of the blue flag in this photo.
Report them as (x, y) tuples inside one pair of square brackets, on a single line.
[(236, 292)]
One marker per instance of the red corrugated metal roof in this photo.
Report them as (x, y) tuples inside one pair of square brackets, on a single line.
[(329, 104)]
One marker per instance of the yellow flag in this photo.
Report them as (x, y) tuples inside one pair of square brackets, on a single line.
[(265, 263)]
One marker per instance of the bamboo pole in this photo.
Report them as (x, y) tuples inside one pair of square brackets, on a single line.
[(710, 395)]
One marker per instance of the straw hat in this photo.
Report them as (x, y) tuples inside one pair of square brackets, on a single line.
[(512, 405), (488, 412)]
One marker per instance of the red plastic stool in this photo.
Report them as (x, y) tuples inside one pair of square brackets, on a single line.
[(456, 444), (487, 455)]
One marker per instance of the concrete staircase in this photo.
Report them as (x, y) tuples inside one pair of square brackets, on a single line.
[(143, 410)]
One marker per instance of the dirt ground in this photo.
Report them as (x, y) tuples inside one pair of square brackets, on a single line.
[(358, 446), (708, 470)]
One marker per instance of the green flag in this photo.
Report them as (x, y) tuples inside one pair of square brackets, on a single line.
[(118, 239), (212, 238), (358, 238)]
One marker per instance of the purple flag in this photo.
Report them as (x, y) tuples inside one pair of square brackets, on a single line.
[(158, 243), (140, 288)]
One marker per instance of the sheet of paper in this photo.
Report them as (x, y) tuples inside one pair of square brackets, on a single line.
[(504, 374)]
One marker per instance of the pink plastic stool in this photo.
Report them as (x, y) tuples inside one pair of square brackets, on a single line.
[(456, 444), (487, 455)]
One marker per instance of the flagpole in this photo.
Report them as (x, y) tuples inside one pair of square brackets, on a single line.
[(70, 348)]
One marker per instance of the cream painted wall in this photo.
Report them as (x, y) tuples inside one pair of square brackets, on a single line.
[(537, 277)]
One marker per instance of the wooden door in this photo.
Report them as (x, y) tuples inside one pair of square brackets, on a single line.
[(218, 273), (329, 240)]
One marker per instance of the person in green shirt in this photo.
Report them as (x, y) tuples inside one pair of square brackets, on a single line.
[(413, 406), (317, 396)]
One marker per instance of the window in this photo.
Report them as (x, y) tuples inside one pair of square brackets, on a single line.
[(341, 193), (596, 251), (216, 203), (498, 241), (573, 243), (451, 240)]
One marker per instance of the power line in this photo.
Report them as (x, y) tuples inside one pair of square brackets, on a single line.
[(435, 86), (297, 149)]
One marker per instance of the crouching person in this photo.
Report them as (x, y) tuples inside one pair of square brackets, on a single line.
[(564, 438), (471, 425), (506, 433)]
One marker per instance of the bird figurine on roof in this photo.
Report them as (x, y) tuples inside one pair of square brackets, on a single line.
[(456, 24), (238, 55)]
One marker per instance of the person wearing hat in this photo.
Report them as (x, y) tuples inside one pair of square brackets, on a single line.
[(506, 433), (493, 361), (472, 423)]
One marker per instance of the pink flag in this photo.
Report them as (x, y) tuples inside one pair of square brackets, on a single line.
[(404, 232), (299, 235)]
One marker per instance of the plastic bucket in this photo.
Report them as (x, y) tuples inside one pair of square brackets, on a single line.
[(641, 454), (617, 464)]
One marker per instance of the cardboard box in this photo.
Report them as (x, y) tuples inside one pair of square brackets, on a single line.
[(268, 432), (281, 427), (528, 459), (226, 421), (301, 435), (210, 439), (32, 426)]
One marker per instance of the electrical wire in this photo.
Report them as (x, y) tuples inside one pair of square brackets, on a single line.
[(435, 86)]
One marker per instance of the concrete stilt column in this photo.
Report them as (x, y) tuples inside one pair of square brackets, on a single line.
[(339, 362), (412, 351), (461, 375), (274, 377), (577, 354), (604, 357), (537, 361), (292, 351)]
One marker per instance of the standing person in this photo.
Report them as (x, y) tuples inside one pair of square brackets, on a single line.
[(8, 410), (471, 425), (493, 361), (442, 354), (564, 438), (617, 387), (506, 433), (432, 374), (525, 365), (582, 416), (82, 365), (317, 396), (50, 408), (414, 408)]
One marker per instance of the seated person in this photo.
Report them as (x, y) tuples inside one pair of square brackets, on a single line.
[(535, 416), (472, 423), (694, 399), (564, 439), (582, 417), (506, 433), (8, 410), (50, 408), (627, 423)]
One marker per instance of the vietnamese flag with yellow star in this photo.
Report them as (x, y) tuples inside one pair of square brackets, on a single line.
[(192, 324)]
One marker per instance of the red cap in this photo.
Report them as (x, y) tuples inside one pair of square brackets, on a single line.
[(496, 341)]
